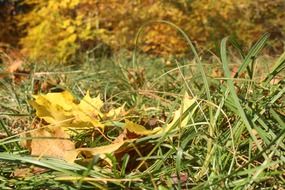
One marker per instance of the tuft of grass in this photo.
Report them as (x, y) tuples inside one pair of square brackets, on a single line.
[(234, 137)]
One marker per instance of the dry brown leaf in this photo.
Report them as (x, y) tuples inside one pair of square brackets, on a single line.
[(26, 172), (14, 65), (53, 142), (21, 172), (13, 61), (183, 177), (135, 151)]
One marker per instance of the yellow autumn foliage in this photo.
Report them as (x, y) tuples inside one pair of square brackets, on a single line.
[(212, 20), (57, 30)]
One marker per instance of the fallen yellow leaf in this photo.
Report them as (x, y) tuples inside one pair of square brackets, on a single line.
[(186, 103), (114, 113), (63, 99), (60, 109), (91, 106), (71, 155), (50, 110), (138, 129)]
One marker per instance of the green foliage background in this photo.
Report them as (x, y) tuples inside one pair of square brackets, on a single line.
[(58, 30)]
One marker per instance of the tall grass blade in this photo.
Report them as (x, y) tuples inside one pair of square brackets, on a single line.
[(253, 52), (277, 68), (248, 124)]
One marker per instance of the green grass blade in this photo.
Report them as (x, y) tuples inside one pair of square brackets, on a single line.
[(253, 52), (277, 68), (231, 87)]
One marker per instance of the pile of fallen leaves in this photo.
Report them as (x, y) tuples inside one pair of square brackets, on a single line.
[(60, 116)]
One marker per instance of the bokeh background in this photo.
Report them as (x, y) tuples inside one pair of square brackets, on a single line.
[(59, 30)]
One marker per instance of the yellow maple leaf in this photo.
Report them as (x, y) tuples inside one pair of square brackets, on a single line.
[(139, 129), (113, 113), (54, 108), (60, 109), (90, 105), (88, 110), (63, 99), (101, 151)]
